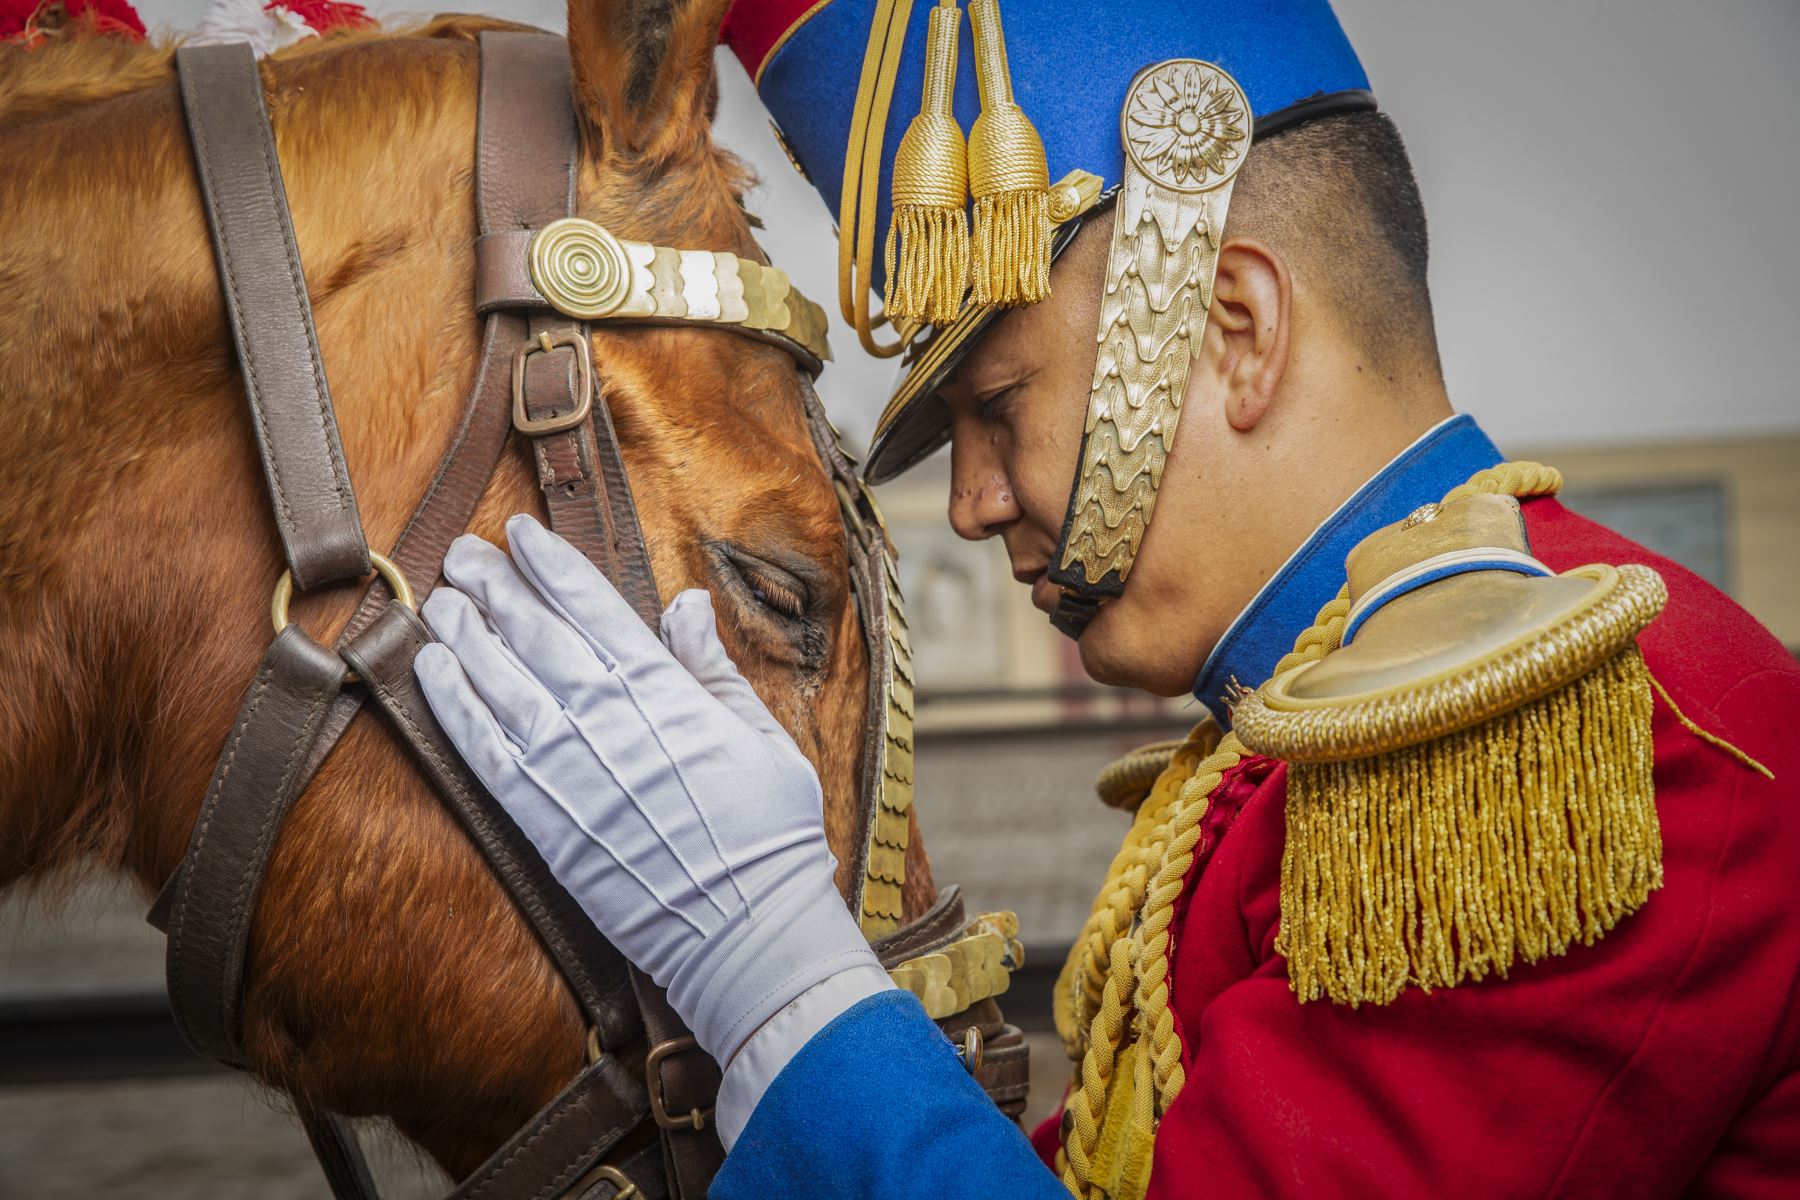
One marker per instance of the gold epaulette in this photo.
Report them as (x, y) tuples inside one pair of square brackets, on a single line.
[(1470, 770)]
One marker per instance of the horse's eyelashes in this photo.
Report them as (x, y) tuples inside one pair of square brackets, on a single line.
[(785, 600), (777, 597)]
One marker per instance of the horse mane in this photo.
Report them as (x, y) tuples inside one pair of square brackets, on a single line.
[(85, 66)]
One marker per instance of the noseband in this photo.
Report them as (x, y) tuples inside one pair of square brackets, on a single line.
[(542, 276)]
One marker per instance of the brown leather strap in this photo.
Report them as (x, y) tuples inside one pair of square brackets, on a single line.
[(271, 320), (565, 1139), (340, 1154), (683, 1081), (587, 493), (589, 500), (255, 782), (644, 1176), (383, 655), (546, 1155), (581, 471), (1005, 1071), (525, 132), (503, 272), (447, 507), (526, 127), (931, 930)]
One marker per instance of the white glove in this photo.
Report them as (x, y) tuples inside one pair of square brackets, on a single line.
[(658, 788)]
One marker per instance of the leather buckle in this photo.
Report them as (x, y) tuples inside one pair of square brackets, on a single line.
[(546, 341), (653, 1080)]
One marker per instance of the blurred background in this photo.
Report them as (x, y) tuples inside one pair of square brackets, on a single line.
[(1610, 185)]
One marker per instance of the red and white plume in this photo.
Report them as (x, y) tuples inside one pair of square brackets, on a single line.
[(278, 23)]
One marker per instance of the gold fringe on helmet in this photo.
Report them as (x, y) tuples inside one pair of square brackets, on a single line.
[(928, 242), (1010, 179)]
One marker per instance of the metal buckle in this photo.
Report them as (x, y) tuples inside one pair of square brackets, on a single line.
[(623, 1187), (384, 567), (696, 1118), (584, 404)]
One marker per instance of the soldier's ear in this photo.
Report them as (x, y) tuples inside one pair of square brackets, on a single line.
[(1249, 328), (645, 87)]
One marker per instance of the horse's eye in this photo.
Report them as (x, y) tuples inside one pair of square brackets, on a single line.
[(778, 593), (775, 588)]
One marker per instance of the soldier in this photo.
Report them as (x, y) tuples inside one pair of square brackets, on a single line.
[(1486, 886)]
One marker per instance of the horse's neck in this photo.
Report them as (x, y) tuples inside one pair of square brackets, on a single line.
[(133, 563)]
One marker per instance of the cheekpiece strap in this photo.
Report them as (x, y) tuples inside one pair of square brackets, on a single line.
[(269, 314)]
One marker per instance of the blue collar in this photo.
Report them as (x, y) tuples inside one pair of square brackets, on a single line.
[(1445, 456)]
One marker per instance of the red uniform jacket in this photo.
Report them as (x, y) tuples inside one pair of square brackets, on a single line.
[(1662, 1060)]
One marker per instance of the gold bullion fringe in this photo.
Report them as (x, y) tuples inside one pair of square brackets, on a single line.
[(927, 262), (1461, 856), (1012, 248), (1009, 178)]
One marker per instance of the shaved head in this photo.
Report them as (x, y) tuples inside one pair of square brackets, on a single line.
[(1336, 197)]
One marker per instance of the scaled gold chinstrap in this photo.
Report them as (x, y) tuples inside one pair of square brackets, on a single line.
[(1186, 127)]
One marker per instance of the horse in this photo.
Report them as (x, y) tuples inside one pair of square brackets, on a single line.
[(390, 976)]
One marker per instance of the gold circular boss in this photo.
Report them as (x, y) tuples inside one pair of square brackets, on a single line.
[(580, 268)]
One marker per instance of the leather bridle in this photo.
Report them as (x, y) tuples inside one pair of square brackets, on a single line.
[(536, 378)]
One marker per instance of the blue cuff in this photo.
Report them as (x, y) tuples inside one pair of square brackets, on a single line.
[(877, 1104)]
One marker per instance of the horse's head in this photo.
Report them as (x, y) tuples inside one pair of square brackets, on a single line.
[(389, 973), (713, 425)]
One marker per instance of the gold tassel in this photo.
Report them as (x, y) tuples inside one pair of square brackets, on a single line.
[(928, 242), (1009, 177), (1463, 855)]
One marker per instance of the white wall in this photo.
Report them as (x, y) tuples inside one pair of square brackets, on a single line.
[(1612, 191), (1612, 188)]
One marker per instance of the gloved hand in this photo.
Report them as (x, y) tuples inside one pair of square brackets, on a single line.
[(658, 788)]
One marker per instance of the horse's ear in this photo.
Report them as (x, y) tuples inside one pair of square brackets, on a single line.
[(644, 80)]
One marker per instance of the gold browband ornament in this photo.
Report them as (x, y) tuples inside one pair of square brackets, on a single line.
[(586, 272)]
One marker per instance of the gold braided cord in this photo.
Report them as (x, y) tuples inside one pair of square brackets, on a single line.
[(1174, 842), (1126, 781), (1711, 739), (861, 192), (1132, 921), (1078, 988)]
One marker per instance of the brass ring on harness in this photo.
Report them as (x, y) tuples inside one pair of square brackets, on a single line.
[(385, 567)]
